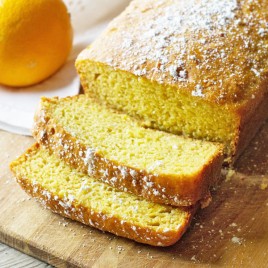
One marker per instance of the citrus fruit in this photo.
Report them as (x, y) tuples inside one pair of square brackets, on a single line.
[(35, 40)]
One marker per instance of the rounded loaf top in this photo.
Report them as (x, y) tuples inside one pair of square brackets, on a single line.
[(215, 50)]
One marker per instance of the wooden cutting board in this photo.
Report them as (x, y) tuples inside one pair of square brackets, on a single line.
[(231, 232)]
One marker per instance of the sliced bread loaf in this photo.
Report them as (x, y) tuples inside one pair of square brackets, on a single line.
[(116, 149), (74, 195), (191, 67)]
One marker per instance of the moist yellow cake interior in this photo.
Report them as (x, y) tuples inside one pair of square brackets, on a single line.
[(123, 140), (160, 106), (54, 176)]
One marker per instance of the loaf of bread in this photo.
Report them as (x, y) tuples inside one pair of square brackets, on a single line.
[(191, 67), (118, 150), (79, 197)]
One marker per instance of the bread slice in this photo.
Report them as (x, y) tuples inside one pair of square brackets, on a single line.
[(197, 68), (116, 149), (76, 196)]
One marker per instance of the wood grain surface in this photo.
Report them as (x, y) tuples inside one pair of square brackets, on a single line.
[(231, 232)]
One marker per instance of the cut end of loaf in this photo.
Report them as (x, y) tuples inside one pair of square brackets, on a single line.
[(160, 106), (74, 195)]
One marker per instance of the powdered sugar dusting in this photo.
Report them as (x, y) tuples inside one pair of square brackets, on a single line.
[(177, 19), (210, 43), (90, 160), (198, 91)]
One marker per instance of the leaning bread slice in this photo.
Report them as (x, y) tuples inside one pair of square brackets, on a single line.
[(79, 197), (116, 149)]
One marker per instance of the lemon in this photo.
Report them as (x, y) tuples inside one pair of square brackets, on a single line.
[(35, 40)]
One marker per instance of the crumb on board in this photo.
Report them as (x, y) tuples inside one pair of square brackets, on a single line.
[(233, 224), (236, 240), (230, 174), (263, 186)]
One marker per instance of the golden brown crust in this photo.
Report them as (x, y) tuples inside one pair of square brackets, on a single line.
[(249, 128), (88, 216), (165, 189)]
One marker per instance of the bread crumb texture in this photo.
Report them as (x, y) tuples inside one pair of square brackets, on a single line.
[(91, 202), (118, 150), (123, 139)]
